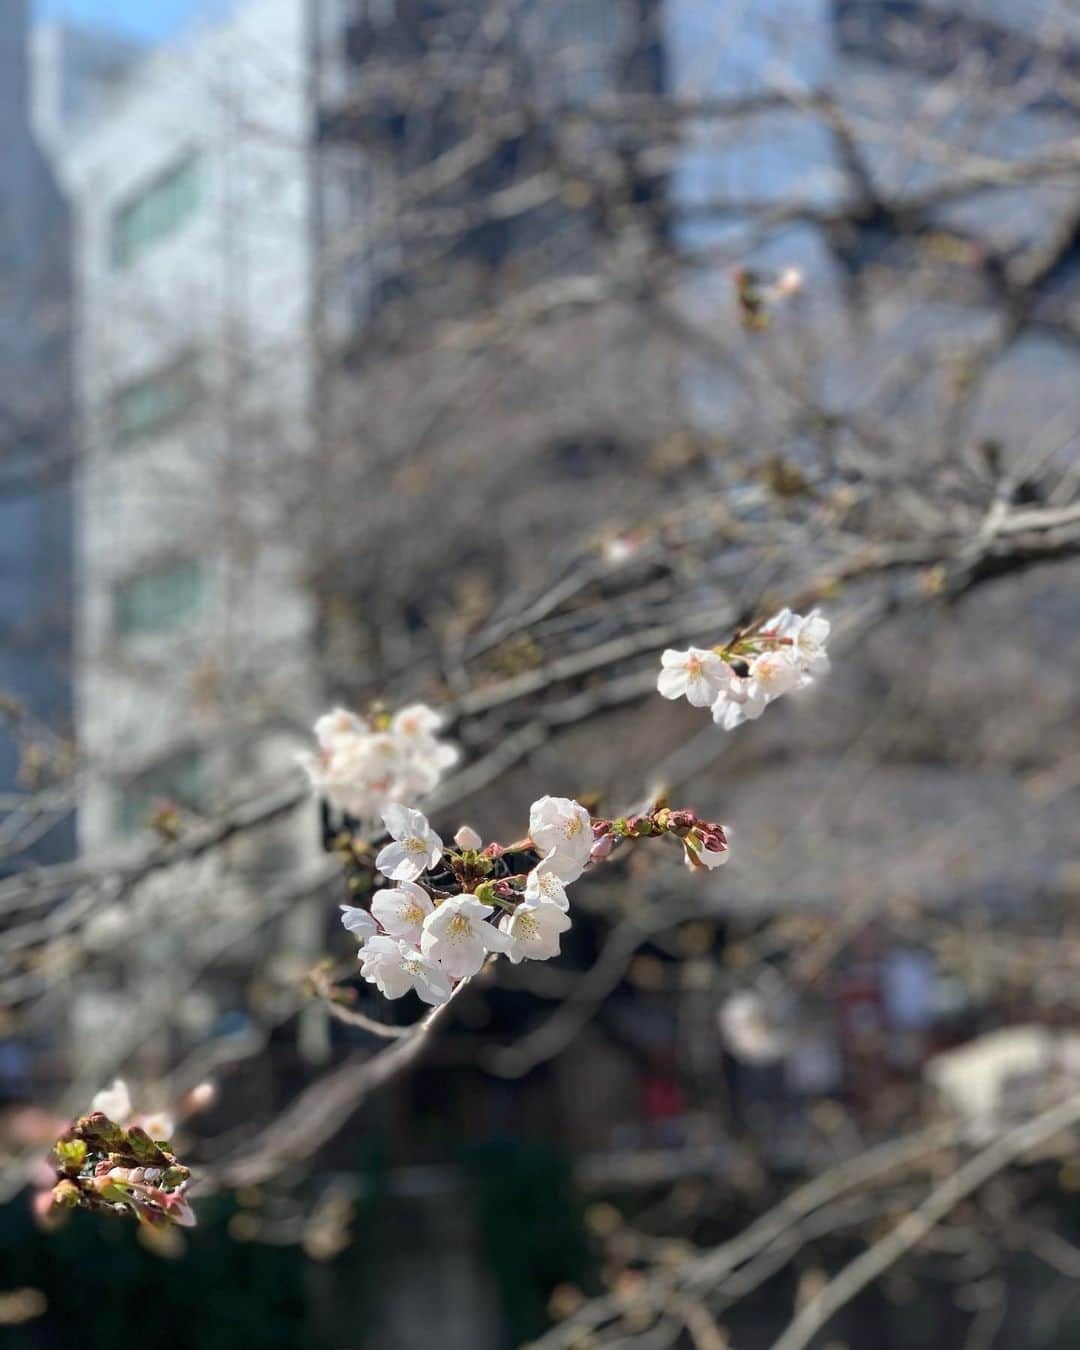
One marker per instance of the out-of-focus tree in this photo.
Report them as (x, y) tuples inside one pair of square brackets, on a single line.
[(635, 321)]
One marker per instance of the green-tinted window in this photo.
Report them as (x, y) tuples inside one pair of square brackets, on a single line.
[(148, 405), (181, 779), (158, 600), (156, 211)]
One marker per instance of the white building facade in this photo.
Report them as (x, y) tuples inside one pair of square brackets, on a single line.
[(191, 190)]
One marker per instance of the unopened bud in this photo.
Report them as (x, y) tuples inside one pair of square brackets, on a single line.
[(201, 1097), (65, 1194), (141, 1145), (467, 838), (601, 848)]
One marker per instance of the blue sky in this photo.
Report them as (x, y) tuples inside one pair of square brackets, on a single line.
[(151, 20)]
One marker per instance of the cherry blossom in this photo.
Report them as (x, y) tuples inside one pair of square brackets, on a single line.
[(706, 845), (358, 922), (157, 1124), (362, 766), (761, 664), (401, 910), (808, 633), (544, 883), (456, 936), (562, 829), (416, 722), (467, 838), (743, 701), (533, 930), (414, 846), (337, 725), (114, 1102), (396, 967), (697, 675)]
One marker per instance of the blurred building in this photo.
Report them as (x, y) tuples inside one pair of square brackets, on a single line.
[(188, 175), (189, 188), (36, 456)]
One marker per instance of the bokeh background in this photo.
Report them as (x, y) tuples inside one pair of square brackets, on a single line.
[(475, 351)]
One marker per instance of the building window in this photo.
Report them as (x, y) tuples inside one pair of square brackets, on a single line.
[(159, 209), (160, 600), (181, 779), (147, 406)]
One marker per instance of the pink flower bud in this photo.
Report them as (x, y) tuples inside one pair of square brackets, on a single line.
[(200, 1097), (467, 838), (601, 848)]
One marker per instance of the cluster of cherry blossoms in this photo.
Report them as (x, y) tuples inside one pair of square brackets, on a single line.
[(450, 908), (363, 765), (116, 1161), (740, 680)]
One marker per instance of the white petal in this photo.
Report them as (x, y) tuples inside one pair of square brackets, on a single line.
[(114, 1101), (467, 838), (358, 921), (672, 683)]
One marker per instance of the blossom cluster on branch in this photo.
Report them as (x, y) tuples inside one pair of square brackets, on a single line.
[(451, 907), (740, 679), (115, 1161), (448, 908), (363, 765)]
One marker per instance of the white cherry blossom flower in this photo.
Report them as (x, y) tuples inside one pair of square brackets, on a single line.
[(414, 845), (775, 672), (416, 721), (698, 854), (786, 652), (402, 910), (743, 701), (698, 675), (810, 633), (157, 1124), (457, 936), (358, 922), (395, 967), (332, 726), (533, 930), (562, 829), (361, 769), (114, 1101), (544, 883)]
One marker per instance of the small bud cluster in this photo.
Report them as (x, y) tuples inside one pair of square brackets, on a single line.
[(120, 1168), (451, 907), (740, 680), (705, 844), (364, 764)]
